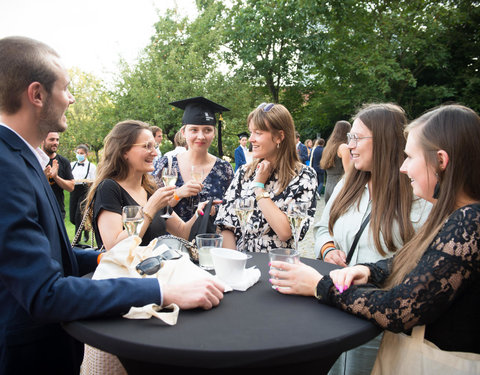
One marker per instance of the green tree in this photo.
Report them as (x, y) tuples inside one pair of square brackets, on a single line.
[(265, 41), (89, 118)]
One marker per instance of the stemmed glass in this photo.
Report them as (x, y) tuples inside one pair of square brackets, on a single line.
[(297, 212), (132, 217), (243, 207), (169, 178)]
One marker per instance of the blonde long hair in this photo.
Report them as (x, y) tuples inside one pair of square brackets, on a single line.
[(277, 119), (112, 164), (456, 130), (391, 192)]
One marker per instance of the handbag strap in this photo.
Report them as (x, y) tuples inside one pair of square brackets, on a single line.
[(82, 224), (357, 237)]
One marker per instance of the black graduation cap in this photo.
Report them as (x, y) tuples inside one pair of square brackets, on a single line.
[(241, 135), (199, 111)]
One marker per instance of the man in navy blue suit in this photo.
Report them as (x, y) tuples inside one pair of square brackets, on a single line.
[(302, 150), (241, 151), (39, 272)]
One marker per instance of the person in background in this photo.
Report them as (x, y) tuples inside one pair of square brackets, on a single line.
[(315, 157), (302, 150), (158, 136), (249, 154), (434, 279), (58, 170), (40, 274), (241, 151), (180, 146), (309, 145), (275, 178), (213, 175), (336, 157), (374, 192), (84, 174)]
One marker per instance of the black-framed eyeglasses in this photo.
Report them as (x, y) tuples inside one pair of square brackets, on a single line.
[(152, 265), (148, 146), (354, 138), (266, 107)]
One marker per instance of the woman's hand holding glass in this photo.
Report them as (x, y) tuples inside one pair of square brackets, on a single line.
[(159, 200), (294, 278)]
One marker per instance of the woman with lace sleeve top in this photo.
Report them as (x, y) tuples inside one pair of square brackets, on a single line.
[(434, 280)]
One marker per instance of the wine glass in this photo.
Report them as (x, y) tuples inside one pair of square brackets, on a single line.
[(243, 207), (169, 178), (132, 217), (196, 174), (297, 212)]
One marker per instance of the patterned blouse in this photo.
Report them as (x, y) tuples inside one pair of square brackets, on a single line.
[(214, 185), (442, 291), (259, 236)]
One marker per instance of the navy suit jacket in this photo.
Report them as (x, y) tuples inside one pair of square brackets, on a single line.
[(39, 283), (302, 153), (239, 157)]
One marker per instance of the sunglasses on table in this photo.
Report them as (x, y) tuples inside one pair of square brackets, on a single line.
[(152, 265)]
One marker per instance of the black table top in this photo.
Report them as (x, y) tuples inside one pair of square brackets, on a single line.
[(248, 329)]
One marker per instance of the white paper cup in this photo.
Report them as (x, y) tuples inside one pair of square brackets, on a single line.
[(229, 264), (283, 255)]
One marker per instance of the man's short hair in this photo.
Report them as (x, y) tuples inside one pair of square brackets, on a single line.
[(82, 146), (297, 135), (22, 62), (155, 130)]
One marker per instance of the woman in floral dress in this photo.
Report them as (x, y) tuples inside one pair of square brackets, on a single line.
[(274, 178)]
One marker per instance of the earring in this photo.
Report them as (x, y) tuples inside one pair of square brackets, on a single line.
[(278, 145), (436, 190)]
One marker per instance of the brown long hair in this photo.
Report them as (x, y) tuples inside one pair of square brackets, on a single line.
[(338, 136), (112, 163), (391, 192), (287, 164), (456, 130)]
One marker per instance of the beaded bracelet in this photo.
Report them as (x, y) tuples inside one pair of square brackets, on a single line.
[(328, 245)]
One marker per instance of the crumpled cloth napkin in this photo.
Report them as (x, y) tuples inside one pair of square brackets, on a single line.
[(122, 259), (250, 277)]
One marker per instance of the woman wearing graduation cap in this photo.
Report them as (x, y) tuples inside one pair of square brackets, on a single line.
[(199, 131), (275, 178)]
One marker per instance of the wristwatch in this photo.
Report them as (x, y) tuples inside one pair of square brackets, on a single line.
[(265, 194)]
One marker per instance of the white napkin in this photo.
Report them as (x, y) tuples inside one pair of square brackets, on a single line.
[(122, 259), (250, 277)]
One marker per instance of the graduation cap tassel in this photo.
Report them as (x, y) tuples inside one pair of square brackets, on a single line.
[(220, 123)]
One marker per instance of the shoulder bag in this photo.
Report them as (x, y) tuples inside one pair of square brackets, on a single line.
[(357, 237)]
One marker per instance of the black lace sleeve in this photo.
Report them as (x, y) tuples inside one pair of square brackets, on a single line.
[(379, 271), (449, 268)]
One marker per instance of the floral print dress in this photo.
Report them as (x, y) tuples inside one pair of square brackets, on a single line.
[(214, 185), (259, 236)]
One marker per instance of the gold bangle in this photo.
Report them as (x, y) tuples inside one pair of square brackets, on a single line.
[(147, 215)]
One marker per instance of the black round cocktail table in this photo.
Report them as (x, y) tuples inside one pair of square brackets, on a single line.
[(259, 328)]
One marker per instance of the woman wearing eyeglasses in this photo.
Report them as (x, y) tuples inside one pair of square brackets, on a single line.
[(434, 279), (373, 193), (274, 178), (336, 157), (123, 179)]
